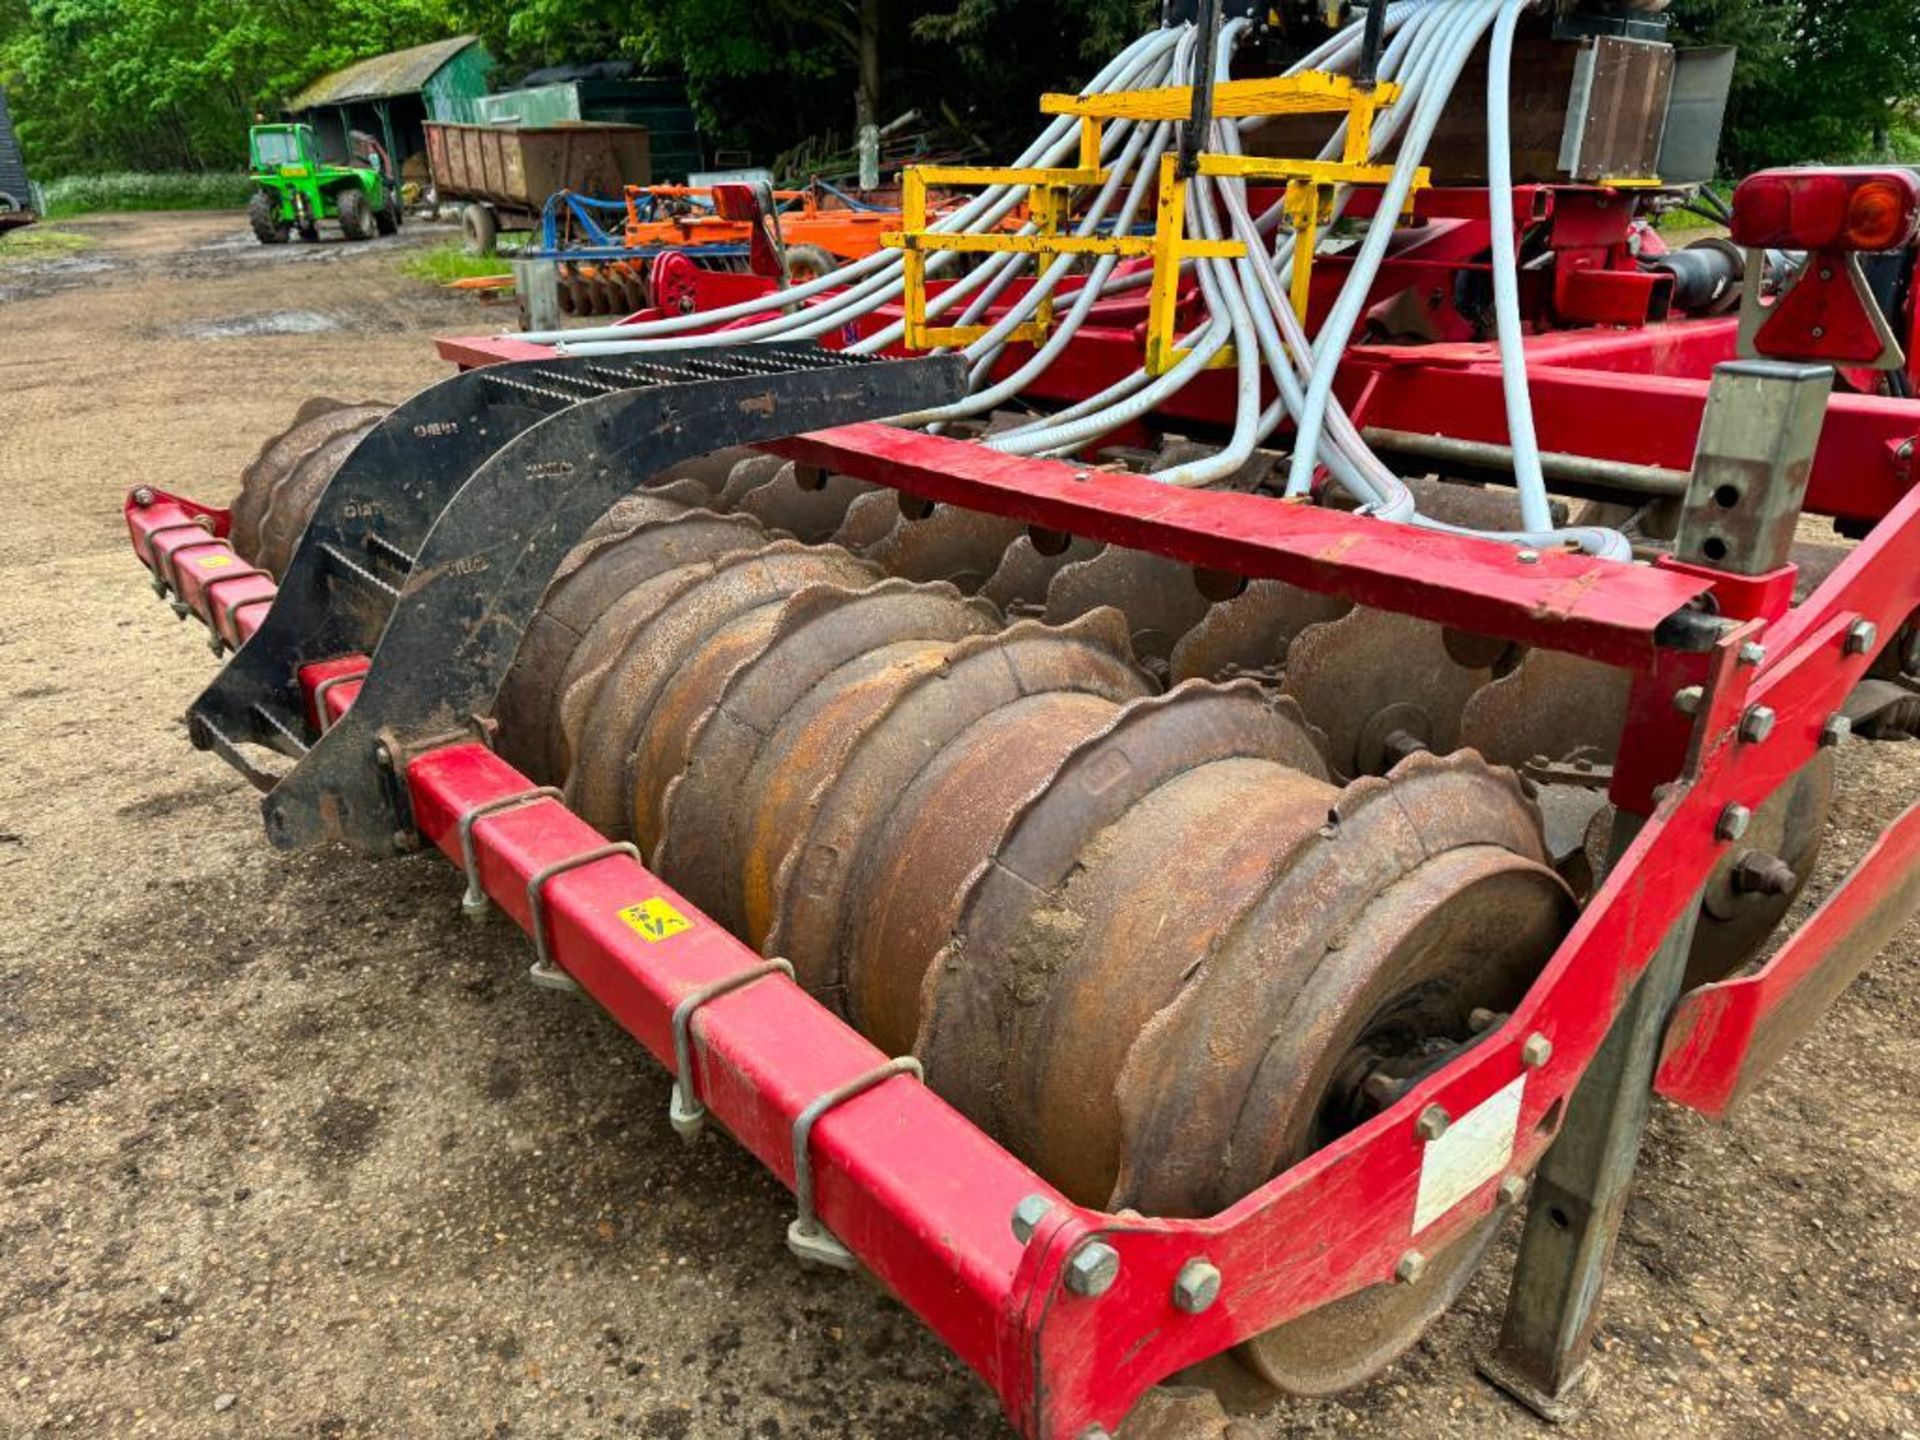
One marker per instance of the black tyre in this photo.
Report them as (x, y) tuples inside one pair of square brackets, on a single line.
[(263, 214), (481, 228), (356, 215), (391, 216)]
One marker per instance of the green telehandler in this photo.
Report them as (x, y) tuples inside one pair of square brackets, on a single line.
[(298, 189)]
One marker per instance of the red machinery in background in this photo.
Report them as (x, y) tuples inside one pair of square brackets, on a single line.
[(395, 655)]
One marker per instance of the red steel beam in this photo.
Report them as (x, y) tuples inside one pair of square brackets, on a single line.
[(908, 1183), (1602, 609)]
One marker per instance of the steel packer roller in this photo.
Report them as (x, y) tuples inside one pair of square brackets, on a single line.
[(967, 838)]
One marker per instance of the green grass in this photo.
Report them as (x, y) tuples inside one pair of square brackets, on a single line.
[(37, 242), (1680, 221), (445, 263), (86, 194)]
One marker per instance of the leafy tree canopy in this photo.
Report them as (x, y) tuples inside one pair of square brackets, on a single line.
[(102, 85)]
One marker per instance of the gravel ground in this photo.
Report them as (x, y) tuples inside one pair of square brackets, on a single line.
[(288, 1149)]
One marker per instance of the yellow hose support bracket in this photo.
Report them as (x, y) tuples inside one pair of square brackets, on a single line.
[(1311, 185)]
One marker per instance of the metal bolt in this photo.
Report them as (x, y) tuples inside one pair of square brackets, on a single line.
[(1411, 1267), (1528, 557), (1513, 1189), (1733, 822), (1837, 729), (382, 756), (1758, 873), (1536, 1051), (1196, 1287), (1862, 636), (1757, 724), (1027, 1216), (1480, 1019), (1826, 273), (1819, 332), (1753, 653), (1092, 1269), (143, 495), (1687, 700), (1432, 1124), (1082, 475)]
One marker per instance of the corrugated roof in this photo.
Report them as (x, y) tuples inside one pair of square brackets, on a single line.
[(402, 73)]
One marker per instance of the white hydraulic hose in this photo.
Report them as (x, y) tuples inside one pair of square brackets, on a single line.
[(1111, 76), (1536, 511), (1330, 344)]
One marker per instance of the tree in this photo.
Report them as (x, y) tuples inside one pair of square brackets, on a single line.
[(1816, 81)]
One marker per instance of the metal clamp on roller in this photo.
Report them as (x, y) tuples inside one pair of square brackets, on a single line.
[(807, 1238), (233, 609), (321, 691), (544, 972), (684, 1111), (163, 582), (475, 904)]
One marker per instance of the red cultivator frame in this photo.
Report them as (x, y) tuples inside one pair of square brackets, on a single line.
[(1068, 1313)]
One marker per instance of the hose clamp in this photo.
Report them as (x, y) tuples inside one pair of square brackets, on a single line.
[(475, 902), (807, 1238), (544, 972), (684, 1111)]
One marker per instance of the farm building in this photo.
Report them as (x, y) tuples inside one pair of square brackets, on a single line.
[(16, 192), (609, 93), (391, 97)]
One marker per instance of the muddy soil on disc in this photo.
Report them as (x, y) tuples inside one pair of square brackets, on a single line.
[(287, 1148)]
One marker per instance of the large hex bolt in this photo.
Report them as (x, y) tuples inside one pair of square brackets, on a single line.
[(1092, 1269), (1757, 724), (1862, 636), (1733, 822), (1196, 1287), (1758, 873), (1432, 1124), (1027, 1216), (1835, 731)]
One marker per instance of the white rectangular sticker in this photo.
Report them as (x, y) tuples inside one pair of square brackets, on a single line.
[(1475, 1148)]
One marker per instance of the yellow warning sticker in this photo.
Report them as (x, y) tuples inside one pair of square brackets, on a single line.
[(655, 920), (214, 562)]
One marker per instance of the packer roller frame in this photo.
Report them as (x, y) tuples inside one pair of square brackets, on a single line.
[(372, 666)]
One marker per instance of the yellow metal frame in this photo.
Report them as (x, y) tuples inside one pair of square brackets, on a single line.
[(1309, 200)]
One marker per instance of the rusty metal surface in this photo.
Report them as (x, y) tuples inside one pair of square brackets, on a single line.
[(645, 643), (812, 890), (1370, 677), (869, 520), (746, 476), (1419, 898), (643, 537), (961, 547), (1161, 598), (826, 639), (1552, 706), (279, 487), (809, 504), (1019, 584), (1250, 634), (1106, 890)]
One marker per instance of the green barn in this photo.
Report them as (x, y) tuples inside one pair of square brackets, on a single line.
[(391, 97)]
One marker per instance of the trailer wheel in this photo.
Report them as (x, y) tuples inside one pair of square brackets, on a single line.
[(809, 262), (263, 214), (356, 216), (481, 227)]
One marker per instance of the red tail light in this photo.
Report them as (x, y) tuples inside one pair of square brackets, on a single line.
[(1845, 209)]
